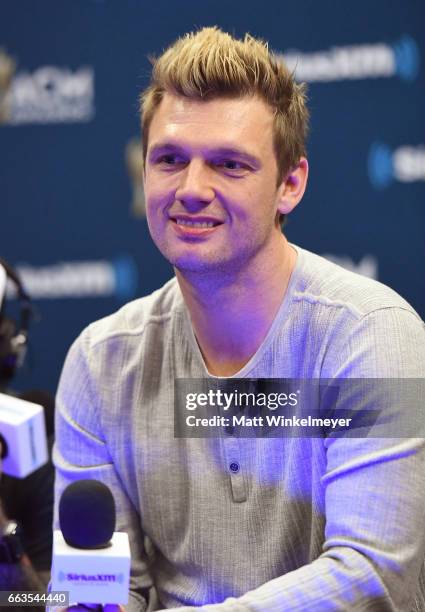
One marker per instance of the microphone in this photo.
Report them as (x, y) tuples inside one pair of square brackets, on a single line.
[(22, 436), (90, 559)]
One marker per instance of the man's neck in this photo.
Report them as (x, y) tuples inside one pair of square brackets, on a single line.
[(232, 316)]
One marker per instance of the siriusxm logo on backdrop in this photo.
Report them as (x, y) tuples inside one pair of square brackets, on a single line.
[(48, 95), (82, 279), (367, 266), (366, 61), (405, 164)]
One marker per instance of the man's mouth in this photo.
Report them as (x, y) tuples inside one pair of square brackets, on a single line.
[(195, 224)]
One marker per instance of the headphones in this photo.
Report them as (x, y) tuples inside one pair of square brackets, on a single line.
[(13, 341)]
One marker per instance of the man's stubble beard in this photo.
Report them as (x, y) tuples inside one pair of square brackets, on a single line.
[(217, 265)]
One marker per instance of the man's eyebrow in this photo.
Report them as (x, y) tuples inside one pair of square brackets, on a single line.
[(170, 146)]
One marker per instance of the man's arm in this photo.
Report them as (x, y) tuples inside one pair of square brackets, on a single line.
[(80, 451), (374, 492), (21, 575)]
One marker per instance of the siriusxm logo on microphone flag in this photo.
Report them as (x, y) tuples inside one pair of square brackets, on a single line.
[(81, 279), (363, 61), (62, 577), (405, 164)]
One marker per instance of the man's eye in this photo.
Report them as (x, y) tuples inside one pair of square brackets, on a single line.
[(170, 160), (231, 164)]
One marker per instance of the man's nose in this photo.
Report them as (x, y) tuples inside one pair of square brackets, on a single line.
[(195, 187)]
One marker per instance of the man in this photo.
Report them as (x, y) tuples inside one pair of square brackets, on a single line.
[(232, 524), (26, 505), (17, 571)]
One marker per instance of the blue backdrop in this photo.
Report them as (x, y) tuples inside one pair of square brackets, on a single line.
[(72, 218)]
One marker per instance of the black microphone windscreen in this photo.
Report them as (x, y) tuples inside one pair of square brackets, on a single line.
[(87, 514)]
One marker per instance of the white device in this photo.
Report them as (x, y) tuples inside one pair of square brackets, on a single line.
[(92, 576), (22, 436)]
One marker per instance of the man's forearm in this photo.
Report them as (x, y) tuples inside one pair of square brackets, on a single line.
[(329, 583)]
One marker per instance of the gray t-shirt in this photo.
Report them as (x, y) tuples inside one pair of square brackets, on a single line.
[(305, 523)]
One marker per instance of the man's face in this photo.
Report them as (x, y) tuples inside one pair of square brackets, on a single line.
[(210, 182)]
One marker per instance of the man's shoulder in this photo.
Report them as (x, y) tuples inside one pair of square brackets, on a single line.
[(352, 323), (331, 286), (157, 308)]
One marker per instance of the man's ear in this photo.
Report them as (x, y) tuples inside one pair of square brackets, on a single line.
[(292, 188)]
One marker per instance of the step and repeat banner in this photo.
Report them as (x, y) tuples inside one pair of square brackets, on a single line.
[(72, 207)]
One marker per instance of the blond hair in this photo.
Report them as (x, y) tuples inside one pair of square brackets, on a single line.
[(211, 63)]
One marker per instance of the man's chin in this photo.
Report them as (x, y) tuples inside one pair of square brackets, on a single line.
[(194, 266)]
